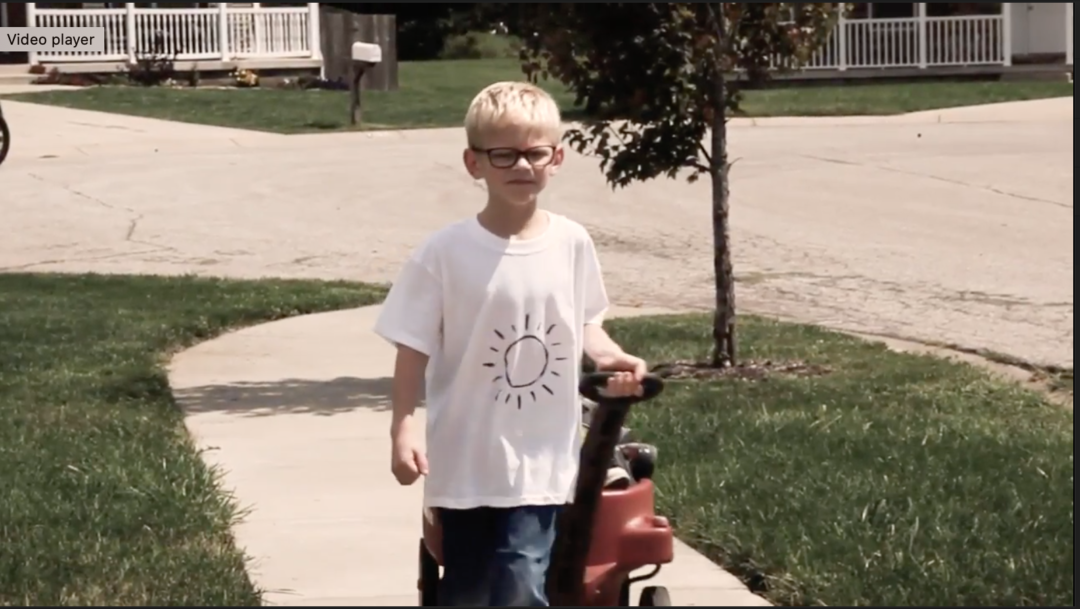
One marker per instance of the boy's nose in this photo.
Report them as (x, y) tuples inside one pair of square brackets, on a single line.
[(522, 162)]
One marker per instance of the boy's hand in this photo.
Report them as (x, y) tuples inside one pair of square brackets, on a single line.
[(408, 461), (629, 372)]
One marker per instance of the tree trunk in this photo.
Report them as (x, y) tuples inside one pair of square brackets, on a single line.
[(724, 316)]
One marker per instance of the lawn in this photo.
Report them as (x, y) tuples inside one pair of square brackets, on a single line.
[(1062, 381), (895, 480), (891, 480), (103, 499), (436, 94)]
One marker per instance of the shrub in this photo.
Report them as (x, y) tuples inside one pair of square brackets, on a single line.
[(76, 79), (480, 45), (156, 67), (308, 82)]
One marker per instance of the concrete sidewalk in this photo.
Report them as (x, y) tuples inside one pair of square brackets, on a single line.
[(296, 414)]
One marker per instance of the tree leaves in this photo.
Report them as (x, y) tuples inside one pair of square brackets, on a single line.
[(643, 72)]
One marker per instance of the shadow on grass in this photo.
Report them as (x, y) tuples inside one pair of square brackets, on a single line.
[(288, 397), (324, 125)]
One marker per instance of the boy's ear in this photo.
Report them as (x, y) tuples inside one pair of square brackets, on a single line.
[(560, 154), (472, 163)]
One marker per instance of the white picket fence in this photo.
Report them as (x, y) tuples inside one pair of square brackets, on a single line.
[(220, 32), (224, 32), (914, 42)]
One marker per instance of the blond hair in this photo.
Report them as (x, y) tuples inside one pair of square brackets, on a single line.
[(512, 105)]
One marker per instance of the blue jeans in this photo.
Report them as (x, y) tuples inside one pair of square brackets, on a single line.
[(496, 557)]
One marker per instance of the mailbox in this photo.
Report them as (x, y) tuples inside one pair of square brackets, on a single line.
[(365, 52), (364, 55)]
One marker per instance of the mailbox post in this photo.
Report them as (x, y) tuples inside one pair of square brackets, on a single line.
[(364, 55)]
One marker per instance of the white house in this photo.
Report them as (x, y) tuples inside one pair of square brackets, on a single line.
[(214, 35), (875, 39), (937, 35)]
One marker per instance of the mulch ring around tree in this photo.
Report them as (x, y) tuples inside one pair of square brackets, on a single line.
[(749, 370)]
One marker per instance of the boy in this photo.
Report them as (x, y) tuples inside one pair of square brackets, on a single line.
[(493, 313)]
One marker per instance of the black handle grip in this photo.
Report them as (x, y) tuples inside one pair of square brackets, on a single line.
[(592, 383)]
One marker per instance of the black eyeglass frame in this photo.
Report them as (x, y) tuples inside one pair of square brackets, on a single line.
[(518, 155)]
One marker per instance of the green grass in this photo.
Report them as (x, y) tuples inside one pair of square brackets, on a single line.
[(896, 480), (480, 45), (889, 99), (431, 94), (1062, 381), (436, 94), (103, 498)]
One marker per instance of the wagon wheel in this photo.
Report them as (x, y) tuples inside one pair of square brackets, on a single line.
[(655, 596), (428, 580), (5, 138)]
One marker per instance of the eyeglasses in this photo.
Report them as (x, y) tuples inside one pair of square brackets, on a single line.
[(505, 158)]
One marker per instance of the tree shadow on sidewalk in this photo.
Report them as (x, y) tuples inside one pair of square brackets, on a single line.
[(289, 396)]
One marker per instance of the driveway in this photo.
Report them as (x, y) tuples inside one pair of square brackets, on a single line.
[(950, 226)]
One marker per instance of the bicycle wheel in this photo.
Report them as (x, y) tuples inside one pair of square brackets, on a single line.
[(5, 139)]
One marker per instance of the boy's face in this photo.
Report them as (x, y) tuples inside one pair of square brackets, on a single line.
[(516, 164)]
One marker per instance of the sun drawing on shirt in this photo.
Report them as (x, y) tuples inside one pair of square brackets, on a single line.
[(523, 361)]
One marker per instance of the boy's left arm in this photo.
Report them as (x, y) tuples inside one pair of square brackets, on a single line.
[(598, 345), (608, 355)]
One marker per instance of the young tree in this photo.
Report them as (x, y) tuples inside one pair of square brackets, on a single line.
[(654, 79)]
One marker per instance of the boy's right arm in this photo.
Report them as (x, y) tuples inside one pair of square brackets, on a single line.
[(408, 461), (409, 370), (411, 319)]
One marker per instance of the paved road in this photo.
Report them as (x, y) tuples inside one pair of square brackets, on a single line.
[(953, 226)]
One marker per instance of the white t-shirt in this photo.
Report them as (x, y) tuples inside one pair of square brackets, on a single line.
[(502, 322)]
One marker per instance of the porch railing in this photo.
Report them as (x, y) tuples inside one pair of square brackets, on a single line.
[(223, 32), (269, 32), (219, 32), (913, 42), (112, 19)]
